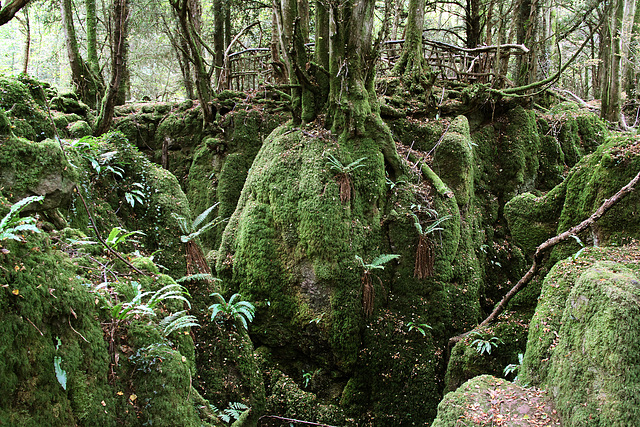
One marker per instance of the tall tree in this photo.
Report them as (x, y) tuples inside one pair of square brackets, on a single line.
[(188, 16), (87, 85), (620, 14), (120, 22)]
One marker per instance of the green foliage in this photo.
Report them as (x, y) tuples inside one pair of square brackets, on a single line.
[(61, 374), (176, 321), (337, 165), (240, 311), (232, 412), (514, 368), (420, 327), (11, 225), (194, 229), (483, 345), (115, 237), (433, 227), (377, 263), (124, 310), (197, 277), (136, 195)]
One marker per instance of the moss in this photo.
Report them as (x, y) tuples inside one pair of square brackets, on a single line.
[(453, 160), (532, 220), (29, 168), (597, 177), (394, 383), (467, 362), (41, 302), (28, 118), (594, 372), (545, 325), (70, 104), (288, 400), (507, 151), (79, 129)]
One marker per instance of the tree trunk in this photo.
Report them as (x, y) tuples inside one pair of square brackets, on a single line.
[(87, 87), (27, 42), (92, 43), (527, 34), (218, 40), (472, 23), (617, 29), (120, 19), (188, 19)]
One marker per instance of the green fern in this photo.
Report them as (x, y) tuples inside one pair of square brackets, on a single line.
[(12, 224), (195, 228), (434, 226), (241, 311), (176, 321), (377, 263), (197, 277), (337, 165)]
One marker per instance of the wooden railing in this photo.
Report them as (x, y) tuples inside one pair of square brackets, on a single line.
[(251, 69)]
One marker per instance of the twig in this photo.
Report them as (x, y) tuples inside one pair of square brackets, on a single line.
[(291, 420), (34, 326), (540, 250), (73, 329)]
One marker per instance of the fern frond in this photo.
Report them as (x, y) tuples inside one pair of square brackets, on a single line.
[(335, 164), (434, 226), (354, 165), (196, 277), (200, 218), (176, 321), (416, 223), (383, 259)]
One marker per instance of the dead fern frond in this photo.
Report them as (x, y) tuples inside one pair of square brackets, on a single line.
[(424, 258), (368, 294)]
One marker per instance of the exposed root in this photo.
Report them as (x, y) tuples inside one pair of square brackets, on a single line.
[(368, 294)]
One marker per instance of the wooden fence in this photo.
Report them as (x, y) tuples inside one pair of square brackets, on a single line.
[(251, 69)]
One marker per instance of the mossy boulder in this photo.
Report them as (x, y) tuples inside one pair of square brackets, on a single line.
[(596, 177), (28, 117), (487, 401), (31, 168), (583, 339), (79, 129), (453, 160), (488, 350)]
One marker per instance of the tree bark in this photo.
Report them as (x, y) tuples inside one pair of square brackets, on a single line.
[(8, 11), (87, 87), (27, 42), (121, 16), (187, 13), (617, 33)]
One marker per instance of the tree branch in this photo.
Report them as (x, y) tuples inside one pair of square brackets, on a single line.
[(8, 11), (544, 247)]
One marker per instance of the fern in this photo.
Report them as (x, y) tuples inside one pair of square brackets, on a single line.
[(12, 224), (176, 321), (196, 277), (241, 311)]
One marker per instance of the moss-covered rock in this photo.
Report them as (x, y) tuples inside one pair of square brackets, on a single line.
[(79, 129), (29, 168), (487, 401), (488, 350), (28, 117), (453, 160), (582, 340)]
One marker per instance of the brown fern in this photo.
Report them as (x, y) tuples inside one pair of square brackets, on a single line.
[(424, 258), (368, 294)]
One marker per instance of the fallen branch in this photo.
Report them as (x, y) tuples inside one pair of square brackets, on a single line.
[(544, 247)]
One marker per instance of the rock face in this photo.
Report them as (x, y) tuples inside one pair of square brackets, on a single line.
[(584, 343), (487, 401), (30, 168)]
